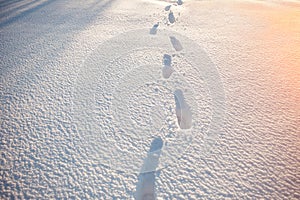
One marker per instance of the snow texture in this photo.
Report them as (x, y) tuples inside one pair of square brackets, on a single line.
[(149, 99)]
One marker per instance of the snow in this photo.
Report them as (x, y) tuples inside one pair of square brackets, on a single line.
[(150, 99)]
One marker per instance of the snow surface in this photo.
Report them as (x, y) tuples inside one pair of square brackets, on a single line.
[(150, 99)]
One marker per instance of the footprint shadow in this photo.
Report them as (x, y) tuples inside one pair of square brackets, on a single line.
[(154, 28), (171, 17), (176, 43), (145, 188), (183, 111), (167, 8)]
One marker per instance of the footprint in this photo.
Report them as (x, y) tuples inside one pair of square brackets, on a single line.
[(171, 17), (167, 60), (153, 30), (145, 188), (167, 8), (179, 2), (167, 69), (156, 145), (183, 111), (176, 43)]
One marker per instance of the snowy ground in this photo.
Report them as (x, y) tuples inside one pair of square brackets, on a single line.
[(119, 99)]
